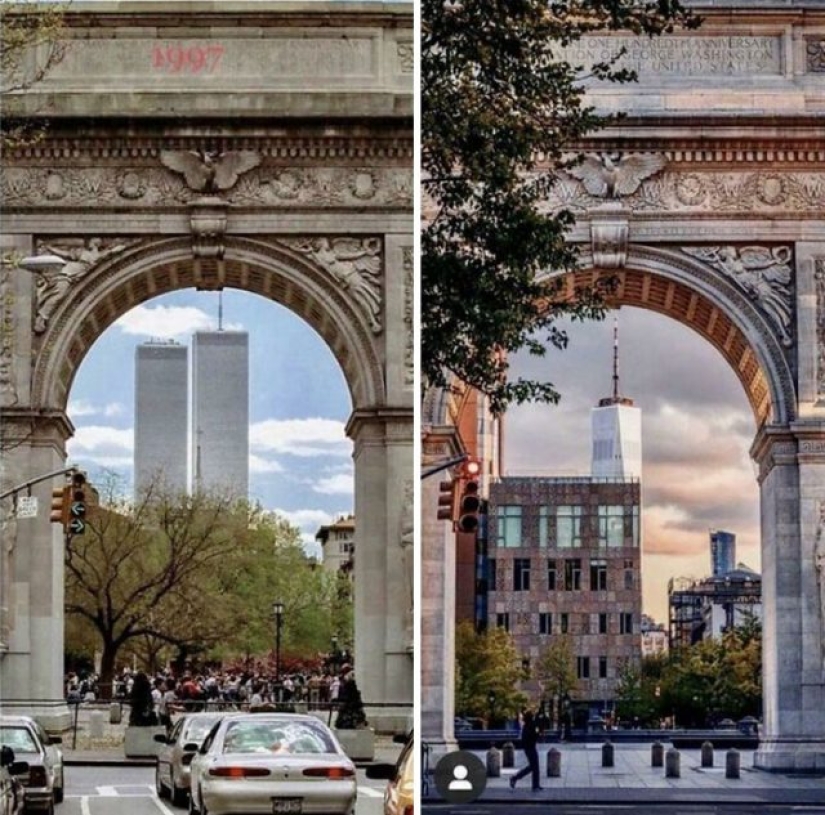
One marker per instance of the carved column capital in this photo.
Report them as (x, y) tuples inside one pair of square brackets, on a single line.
[(609, 235)]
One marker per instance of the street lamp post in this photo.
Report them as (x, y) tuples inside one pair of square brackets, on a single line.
[(278, 613)]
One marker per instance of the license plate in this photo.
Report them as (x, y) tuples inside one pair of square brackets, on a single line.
[(286, 806)]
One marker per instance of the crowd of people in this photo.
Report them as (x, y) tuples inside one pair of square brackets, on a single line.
[(215, 689)]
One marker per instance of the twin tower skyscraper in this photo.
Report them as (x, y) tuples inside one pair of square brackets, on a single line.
[(208, 448)]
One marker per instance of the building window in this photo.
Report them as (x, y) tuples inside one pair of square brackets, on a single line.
[(583, 667), (491, 573), (568, 527), (598, 575), (503, 621), (602, 667), (628, 579), (521, 574), (551, 575), (572, 574), (545, 622), (602, 623), (564, 620), (611, 526), (635, 525), (625, 623), (545, 532), (509, 526)]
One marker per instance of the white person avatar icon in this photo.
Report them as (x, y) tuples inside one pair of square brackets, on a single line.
[(460, 782)]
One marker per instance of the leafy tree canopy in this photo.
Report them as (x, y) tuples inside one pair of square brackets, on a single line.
[(500, 106)]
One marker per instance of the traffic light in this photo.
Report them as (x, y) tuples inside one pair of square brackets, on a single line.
[(446, 501), (60, 506), (469, 502), (77, 505)]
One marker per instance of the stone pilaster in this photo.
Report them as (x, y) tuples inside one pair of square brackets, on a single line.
[(438, 581), (383, 569), (792, 487), (810, 320)]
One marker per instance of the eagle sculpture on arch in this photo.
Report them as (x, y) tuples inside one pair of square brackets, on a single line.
[(210, 172), (614, 175)]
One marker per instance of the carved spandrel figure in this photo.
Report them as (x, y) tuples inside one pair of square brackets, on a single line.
[(763, 273), (54, 285), (356, 265)]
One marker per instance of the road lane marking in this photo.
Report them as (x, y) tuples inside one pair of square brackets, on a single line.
[(162, 807), (107, 792), (84, 806), (370, 792)]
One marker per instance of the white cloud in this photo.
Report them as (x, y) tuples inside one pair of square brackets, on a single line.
[(301, 437), (83, 407), (101, 438), (114, 409), (257, 464), (338, 484), (168, 322)]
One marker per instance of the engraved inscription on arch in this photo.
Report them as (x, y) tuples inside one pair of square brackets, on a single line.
[(681, 56)]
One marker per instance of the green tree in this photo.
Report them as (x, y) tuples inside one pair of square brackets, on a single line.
[(556, 672), (500, 106), (488, 669), (636, 699)]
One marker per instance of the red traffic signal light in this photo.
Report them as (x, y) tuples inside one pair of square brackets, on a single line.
[(469, 502)]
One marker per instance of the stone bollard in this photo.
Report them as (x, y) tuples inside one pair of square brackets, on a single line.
[(707, 754), (553, 763), (672, 764), (508, 754), (732, 763), (607, 754), (657, 754), (493, 762), (96, 724), (115, 713)]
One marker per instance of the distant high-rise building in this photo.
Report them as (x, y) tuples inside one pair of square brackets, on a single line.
[(616, 429), (722, 552), (220, 411), (161, 402)]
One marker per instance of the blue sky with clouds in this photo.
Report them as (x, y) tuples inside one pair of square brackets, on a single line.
[(300, 458)]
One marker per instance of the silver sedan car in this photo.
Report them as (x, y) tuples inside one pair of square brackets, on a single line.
[(44, 780), (273, 763), (179, 748)]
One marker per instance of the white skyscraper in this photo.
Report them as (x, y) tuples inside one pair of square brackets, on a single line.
[(220, 411), (161, 411), (616, 429)]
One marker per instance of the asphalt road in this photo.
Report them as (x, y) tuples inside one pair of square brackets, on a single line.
[(662, 808), (131, 791)]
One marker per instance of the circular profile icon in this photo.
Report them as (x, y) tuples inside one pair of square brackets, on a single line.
[(460, 777)]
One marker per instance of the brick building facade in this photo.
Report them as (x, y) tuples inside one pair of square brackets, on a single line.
[(564, 558)]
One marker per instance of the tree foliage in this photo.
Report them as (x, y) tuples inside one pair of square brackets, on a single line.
[(500, 106), (31, 45), (487, 663), (196, 574)]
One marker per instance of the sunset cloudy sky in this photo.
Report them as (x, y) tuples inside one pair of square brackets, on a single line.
[(697, 427)]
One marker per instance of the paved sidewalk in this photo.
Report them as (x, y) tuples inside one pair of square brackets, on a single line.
[(583, 780)]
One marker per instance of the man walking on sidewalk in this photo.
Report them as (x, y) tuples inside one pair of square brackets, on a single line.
[(529, 740)]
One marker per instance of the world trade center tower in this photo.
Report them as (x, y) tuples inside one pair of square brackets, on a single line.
[(220, 411)]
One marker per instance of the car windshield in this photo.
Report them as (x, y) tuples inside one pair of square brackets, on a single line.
[(276, 736), (196, 729), (20, 739)]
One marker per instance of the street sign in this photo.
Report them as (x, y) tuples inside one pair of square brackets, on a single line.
[(27, 507), (76, 526)]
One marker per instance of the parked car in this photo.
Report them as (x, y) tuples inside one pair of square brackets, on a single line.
[(44, 781), (172, 773), (398, 796), (271, 762), (12, 792)]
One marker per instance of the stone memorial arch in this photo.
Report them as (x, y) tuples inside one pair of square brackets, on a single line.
[(707, 204), (263, 146)]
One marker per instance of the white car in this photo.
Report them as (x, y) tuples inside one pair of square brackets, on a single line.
[(44, 781), (273, 763)]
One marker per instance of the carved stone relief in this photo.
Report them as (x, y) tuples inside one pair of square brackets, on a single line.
[(407, 538), (355, 263), (819, 564), (80, 256), (406, 57), (763, 273), (815, 54), (819, 283), (145, 186), (209, 172), (707, 191), (409, 358), (607, 175), (8, 387)]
